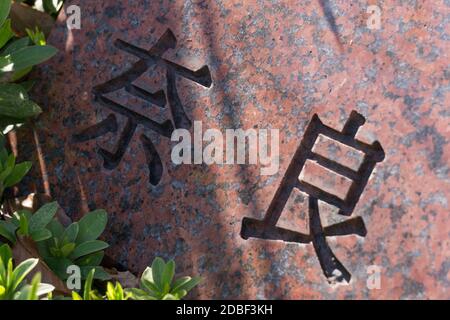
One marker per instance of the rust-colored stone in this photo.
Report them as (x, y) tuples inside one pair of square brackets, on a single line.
[(273, 65)]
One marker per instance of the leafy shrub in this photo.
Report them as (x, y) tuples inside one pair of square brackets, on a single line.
[(157, 283), (26, 224), (12, 285), (113, 292), (17, 57), (58, 246), (116, 292), (88, 292), (76, 245), (10, 172)]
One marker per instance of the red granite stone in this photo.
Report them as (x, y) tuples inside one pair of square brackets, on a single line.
[(273, 64)]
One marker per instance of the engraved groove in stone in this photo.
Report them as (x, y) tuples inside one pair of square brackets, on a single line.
[(266, 229)]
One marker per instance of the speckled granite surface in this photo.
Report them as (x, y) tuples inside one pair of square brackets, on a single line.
[(273, 64)]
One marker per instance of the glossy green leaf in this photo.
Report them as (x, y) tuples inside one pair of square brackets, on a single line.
[(14, 102), (5, 254), (189, 285), (139, 294), (59, 266), (67, 249), (19, 74), (100, 273), (24, 227), (17, 174), (26, 57), (5, 7), (44, 289), (52, 6), (167, 276), (6, 33), (158, 267), (41, 235), (22, 270), (169, 296), (33, 292), (93, 259), (70, 234), (91, 226), (76, 296), (56, 228), (88, 285), (41, 218), (6, 232), (16, 45), (87, 248), (16, 216)]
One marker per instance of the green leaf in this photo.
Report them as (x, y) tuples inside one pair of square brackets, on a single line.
[(32, 294), (24, 227), (56, 252), (115, 292), (5, 231), (100, 273), (52, 6), (41, 235), (41, 218), (5, 254), (5, 6), (19, 74), (22, 294), (91, 226), (56, 228), (14, 102), (180, 294), (8, 167), (76, 296), (17, 174), (28, 84), (150, 287), (16, 216), (6, 33), (59, 266), (37, 36), (70, 234), (12, 91), (22, 271), (26, 57), (67, 249), (2, 146), (158, 267), (16, 45), (88, 285), (167, 276), (147, 275), (87, 248), (43, 248), (185, 283), (93, 259), (169, 296), (139, 294), (44, 289), (11, 161)]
